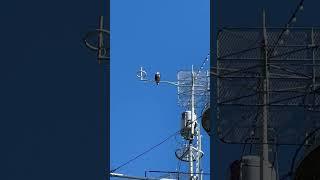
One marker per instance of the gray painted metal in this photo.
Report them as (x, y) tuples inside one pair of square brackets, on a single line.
[(250, 169), (294, 80)]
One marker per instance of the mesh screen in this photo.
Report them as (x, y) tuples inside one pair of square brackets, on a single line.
[(293, 66), (201, 88)]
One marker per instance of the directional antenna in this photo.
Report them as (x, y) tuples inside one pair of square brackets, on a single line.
[(200, 91), (184, 154), (99, 40), (292, 92)]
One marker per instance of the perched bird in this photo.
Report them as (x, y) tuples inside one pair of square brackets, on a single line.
[(157, 78)]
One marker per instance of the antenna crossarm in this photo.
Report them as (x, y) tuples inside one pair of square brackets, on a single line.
[(134, 177), (170, 82)]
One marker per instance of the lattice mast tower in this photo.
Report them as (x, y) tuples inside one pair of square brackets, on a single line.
[(193, 92)]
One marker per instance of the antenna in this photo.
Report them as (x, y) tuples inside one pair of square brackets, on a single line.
[(193, 94), (99, 40), (293, 83), (267, 89)]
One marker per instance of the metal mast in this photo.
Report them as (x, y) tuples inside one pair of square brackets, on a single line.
[(268, 77), (193, 121), (264, 159), (192, 132), (192, 87)]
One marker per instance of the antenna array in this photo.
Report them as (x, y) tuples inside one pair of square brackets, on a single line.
[(294, 71)]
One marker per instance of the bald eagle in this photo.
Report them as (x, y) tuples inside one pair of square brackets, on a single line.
[(157, 78)]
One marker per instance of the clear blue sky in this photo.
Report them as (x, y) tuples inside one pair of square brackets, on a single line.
[(161, 35)]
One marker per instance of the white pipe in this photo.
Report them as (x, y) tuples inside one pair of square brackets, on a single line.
[(135, 177)]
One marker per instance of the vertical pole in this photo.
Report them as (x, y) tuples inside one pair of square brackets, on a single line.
[(100, 38), (199, 156), (198, 153), (193, 119), (141, 73), (264, 159), (313, 59), (313, 81), (190, 160)]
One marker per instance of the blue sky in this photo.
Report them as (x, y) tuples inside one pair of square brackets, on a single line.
[(161, 35)]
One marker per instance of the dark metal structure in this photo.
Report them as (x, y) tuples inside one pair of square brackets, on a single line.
[(294, 80), (205, 120), (267, 89), (99, 40)]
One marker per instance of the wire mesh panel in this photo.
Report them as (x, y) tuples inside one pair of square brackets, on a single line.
[(293, 74), (201, 88)]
